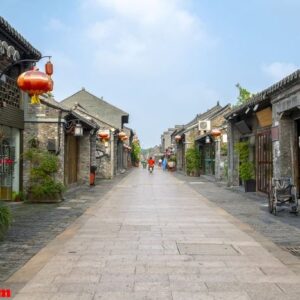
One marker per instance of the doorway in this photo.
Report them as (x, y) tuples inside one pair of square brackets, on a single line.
[(71, 159), (264, 161)]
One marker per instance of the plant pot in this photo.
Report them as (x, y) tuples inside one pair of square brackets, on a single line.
[(250, 185), (171, 164), (55, 198), (194, 173)]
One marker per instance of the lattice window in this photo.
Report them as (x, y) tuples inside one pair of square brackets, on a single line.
[(9, 92)]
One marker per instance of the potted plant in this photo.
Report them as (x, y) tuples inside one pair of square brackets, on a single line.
[(17, 196), (246, 167), (5, 220), (172, 162), (42, 185), (192, 157)]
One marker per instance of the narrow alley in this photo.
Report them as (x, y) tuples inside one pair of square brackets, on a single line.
[(154, 237)]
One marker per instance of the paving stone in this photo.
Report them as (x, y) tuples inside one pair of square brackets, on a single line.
[(125, 249), (35, 225), (206, 249), (250, 208)]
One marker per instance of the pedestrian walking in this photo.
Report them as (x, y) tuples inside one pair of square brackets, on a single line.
[(159, 162), (164, 163)]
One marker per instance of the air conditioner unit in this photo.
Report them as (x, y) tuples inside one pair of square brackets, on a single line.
[(204, 125)]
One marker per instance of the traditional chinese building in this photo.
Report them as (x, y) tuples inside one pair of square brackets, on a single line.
[(107, 113), (13, 47), (270, 123), (198, 133), (65, 133)]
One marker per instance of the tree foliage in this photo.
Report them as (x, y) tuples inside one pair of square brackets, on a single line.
[(246, 167), (192, 158), (43, 167), (5, 219), (135, 151), (244, 95)]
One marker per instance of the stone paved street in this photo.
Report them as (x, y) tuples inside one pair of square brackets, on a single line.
[(36, 224), (154, 237), (250, 208)]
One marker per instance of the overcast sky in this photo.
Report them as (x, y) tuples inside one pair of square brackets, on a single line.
[(162, 61)]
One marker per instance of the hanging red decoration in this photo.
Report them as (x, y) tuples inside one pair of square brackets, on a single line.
[(35, 83), (122, 134), (177, 138), (216, 133), (125, 138), (49, 68), (103, 135)]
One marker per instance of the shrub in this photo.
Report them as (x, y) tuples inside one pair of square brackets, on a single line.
[(173, 158), (246, 167), (192, 158), (42, 184), (5, 220), (135, 151)]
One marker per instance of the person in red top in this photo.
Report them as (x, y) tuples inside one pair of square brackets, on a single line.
[(151, 163)]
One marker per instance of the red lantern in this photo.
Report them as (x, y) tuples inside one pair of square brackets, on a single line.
[(177, 138), (35, 83), (103, 135), (122, 134), (125, 138), (216, 133), (49, 68)]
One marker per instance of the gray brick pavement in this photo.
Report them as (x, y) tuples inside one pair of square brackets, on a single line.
[(147, 239), (35, 225)]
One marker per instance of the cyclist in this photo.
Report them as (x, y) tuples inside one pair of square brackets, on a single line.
[(151, 163)]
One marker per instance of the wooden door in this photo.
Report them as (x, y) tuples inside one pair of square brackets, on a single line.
[(7, 158), (264, 156), (71, 159), (208, 160)]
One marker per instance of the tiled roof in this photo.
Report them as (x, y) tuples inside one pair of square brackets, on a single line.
[(77, 97), (4, 25), (210, 114), (52, 103), (263, 95)]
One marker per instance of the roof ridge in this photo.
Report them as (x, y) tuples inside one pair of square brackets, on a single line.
[(101, 99), (18, 37), (97, 98), (93, 116), (262, 95)]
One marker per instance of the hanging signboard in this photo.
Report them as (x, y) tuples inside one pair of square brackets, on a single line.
[(264, 117)]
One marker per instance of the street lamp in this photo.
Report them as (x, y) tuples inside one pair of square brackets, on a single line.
[(207, 139), (73, 126)]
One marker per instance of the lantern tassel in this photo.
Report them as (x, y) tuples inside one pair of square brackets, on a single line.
[(35, 99)]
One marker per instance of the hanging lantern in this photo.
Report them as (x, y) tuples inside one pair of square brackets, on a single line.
[(103, 135), (122, 134), (125, 138), (177, 138), (35, 83), (78, 130), (49, 68), (216, 133)]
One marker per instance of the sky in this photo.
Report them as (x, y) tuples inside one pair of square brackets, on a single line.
[(162, 61)]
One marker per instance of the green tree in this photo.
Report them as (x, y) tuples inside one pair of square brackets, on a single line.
[(244, 95), (135, 151), (43, 167), (192, 158), (246, 167)]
